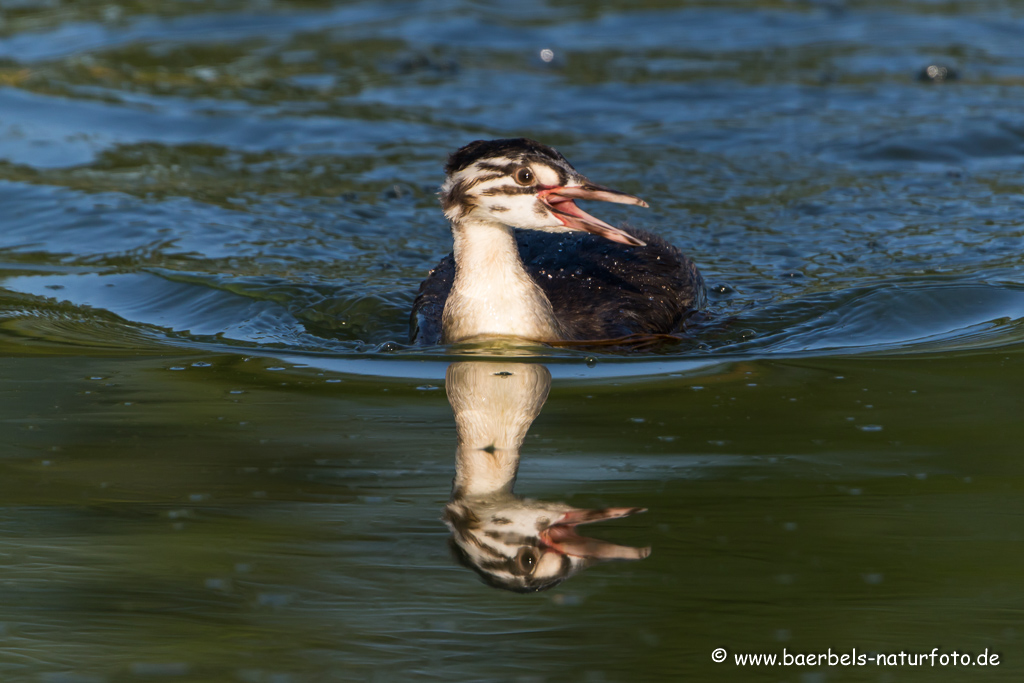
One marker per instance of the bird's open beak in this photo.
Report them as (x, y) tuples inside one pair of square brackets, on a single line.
[(562, 537), (559, 200)]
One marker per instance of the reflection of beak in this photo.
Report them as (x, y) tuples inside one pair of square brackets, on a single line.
[(561, 536), (559, 200)]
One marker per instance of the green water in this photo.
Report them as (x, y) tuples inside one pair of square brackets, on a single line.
[(222, 462)]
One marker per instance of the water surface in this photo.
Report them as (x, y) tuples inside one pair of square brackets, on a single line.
[(223, 462)]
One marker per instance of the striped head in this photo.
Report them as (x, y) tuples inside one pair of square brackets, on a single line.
[(523, 184), (525, 545)]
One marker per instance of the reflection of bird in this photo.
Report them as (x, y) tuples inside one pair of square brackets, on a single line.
[(512, 542), (530, 545), (537, 285)]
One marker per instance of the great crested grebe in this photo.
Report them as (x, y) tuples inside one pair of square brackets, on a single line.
[(515, 543), (540, 284)]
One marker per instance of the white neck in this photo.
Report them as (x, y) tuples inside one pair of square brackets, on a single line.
[(493, 295), (494, 406)]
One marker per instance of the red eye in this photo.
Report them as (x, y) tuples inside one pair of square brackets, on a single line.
[(524, 176)]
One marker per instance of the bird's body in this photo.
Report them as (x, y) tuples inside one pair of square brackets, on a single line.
[(544, 283), (597, 289)]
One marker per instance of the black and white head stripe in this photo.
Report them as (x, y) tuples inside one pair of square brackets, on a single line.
[(513, 149), (484, 168)]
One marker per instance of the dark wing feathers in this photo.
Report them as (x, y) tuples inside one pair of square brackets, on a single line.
[(425, 321)]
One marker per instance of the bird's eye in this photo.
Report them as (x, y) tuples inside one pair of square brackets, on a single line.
[(526, 558), (524, 176)]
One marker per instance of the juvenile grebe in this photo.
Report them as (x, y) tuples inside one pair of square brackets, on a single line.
[(541, 284)]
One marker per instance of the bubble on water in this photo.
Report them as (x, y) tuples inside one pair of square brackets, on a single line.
[(547, 55), (937, 73), (205, 74)]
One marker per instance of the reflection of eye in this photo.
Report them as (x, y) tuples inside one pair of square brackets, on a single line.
[(524, 176), (526, 558)]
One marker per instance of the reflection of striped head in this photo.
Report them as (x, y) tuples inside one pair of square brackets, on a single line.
[(526, 545), (523, 184)]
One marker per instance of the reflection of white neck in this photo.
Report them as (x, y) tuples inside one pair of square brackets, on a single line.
[(494, 405), (493, 295)]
